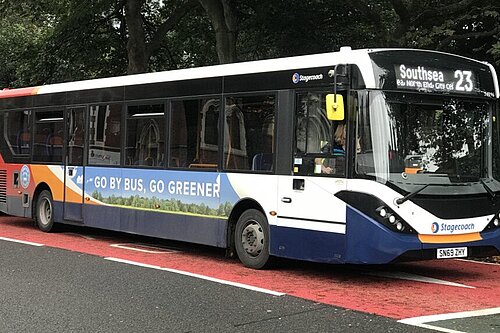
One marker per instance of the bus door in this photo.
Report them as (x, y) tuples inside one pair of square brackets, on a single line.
[(73, 163), (307, 198)]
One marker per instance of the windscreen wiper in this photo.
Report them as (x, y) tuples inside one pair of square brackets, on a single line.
[(410, 195), (420, 189)]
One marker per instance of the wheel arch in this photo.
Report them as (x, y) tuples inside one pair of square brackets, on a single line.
[(238, 209), (39, 189)]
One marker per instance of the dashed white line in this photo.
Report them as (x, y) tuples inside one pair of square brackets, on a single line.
[(80, 235), (199, 276), (479, 262), (418, 278), (424, 320), (20, 241), (143, 248)]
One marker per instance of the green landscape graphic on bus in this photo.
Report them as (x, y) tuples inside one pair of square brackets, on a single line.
[(203, 194)]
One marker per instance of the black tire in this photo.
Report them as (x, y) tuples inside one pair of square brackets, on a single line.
[(44, 211), (251, 239)]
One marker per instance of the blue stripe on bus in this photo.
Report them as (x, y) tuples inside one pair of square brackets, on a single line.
[(309, 245), (366, 241), (194, 229), (369, 242)]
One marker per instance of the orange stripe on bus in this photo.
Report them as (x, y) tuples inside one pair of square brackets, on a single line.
[(442, 239), (42, 173), (8, 93)]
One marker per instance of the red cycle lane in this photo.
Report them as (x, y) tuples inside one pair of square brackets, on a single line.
[(396, 291)]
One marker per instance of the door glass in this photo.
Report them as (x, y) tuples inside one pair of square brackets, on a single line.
[(76, 139), (320, 143)]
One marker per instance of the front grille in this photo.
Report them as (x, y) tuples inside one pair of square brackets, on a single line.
[(3, 186)]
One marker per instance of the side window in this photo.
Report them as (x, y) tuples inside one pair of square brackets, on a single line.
[(249, 132), (16, 131), (194, 133), (320, 143), (104, 134), (48, 136), (145, 135)]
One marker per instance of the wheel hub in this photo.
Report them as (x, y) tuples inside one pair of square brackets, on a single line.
[(45, 212), (252, 239)]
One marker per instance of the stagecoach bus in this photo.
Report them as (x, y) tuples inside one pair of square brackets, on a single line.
[(358, 156)]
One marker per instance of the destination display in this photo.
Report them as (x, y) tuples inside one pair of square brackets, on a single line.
[(427, 78), (432, 72)]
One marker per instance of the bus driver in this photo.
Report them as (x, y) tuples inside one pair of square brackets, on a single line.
[(338, 152)]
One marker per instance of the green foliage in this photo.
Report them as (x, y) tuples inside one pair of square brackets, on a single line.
[(495, 53), (20, 42), (470, 27), (166, 205), (47, 41)]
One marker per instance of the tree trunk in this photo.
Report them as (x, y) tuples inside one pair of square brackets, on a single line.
[(223, 20), (136, 45)]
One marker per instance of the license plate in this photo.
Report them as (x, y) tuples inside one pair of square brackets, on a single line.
[(453, 252)]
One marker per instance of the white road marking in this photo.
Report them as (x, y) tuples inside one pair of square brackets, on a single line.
[(80, 235), (131, 246), (479, 262), (439, 329), (422, 321), (203, 277), (418, 278), (20, 241)]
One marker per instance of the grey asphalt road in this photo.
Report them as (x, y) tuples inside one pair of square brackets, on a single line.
[(44, 289)]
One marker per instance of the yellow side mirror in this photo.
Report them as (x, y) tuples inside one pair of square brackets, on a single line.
[(335, 107)]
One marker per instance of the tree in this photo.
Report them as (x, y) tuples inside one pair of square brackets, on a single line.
[(23, 36), (467, 27), (48, 41), (223, 18), (142, 44)]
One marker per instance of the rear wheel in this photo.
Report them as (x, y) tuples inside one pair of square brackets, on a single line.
[(44, 211), (251, 238)]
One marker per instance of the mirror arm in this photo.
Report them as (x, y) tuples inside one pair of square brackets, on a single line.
[(335, 83)]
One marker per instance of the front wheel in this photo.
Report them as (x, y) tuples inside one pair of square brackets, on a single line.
[(44, 211), (251, 239)]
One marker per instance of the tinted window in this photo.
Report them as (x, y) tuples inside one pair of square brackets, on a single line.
[(249, 133), (145, 135), (49, 136), (194, 133), (104, 134), (17, 131)]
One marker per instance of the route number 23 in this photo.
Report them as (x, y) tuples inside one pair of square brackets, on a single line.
[(464, 82)]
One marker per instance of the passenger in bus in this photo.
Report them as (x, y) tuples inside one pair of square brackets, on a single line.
[(336, 165)]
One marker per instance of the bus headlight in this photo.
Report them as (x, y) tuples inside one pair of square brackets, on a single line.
[(494, 223), (391, 220), (376, 210), (399, 226)]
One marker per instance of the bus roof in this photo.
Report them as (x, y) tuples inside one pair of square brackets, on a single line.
[(346, 55)]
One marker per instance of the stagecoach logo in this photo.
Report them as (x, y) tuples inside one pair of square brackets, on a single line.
[(25, 176), (296, 78), (451, 228)]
